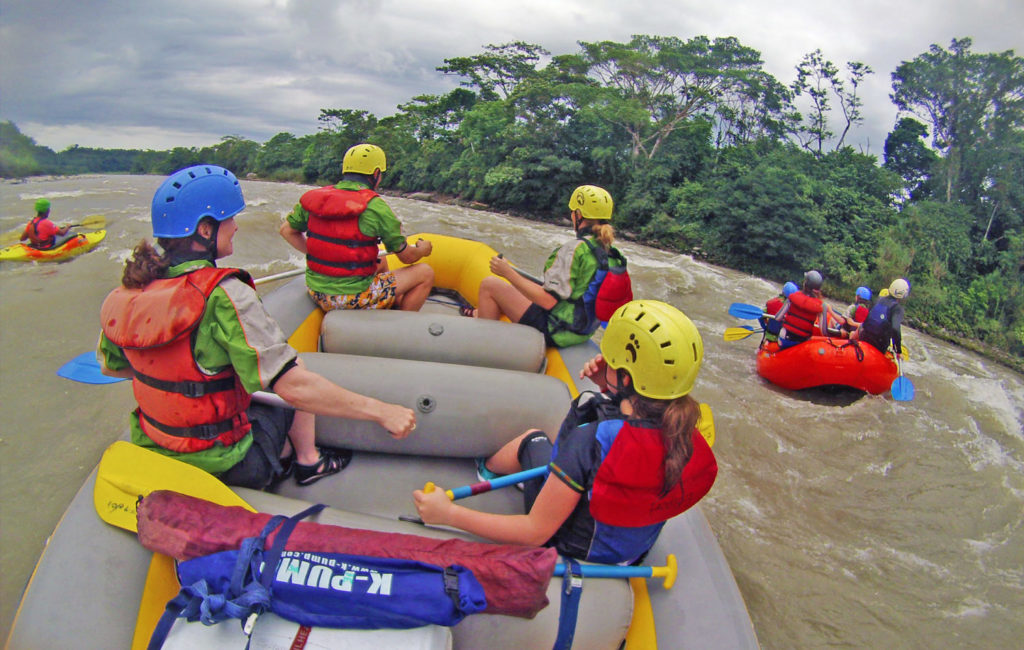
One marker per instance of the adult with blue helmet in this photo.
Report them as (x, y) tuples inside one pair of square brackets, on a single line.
[(197, 342)]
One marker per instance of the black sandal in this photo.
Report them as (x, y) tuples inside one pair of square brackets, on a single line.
[(331, 462)]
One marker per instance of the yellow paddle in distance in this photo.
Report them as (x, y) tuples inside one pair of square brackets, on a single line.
[(738, 333), (128, 472)]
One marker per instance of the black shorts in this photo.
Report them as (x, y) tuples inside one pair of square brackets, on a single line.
[(534, 451), (537, 317), (262, 464)]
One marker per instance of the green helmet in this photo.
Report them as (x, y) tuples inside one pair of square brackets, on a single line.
[(657, 344), (593, 201), (364, 159), (42, 205)]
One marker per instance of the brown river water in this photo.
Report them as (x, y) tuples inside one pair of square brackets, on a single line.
[(848, 520)]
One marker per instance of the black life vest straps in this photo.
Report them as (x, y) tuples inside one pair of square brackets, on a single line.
[(187, 388), (202, 431)]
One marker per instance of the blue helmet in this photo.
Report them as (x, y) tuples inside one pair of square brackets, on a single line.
[(190, 194), (789, 288), (864, 293)]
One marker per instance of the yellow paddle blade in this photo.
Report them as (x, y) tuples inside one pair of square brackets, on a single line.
[(706, 424), (11, 237), (906, 354), (127, 472), (737, 333), (92, 221)]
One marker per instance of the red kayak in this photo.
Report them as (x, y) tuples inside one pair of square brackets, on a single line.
[(822, 361)]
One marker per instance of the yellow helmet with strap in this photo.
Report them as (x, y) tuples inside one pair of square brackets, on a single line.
[(657, 344), (593, 202), (364, 159)]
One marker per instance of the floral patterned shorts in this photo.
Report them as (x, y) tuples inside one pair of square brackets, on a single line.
[(379, 295)]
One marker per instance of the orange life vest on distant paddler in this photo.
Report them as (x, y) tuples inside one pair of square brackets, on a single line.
[(181, 408)]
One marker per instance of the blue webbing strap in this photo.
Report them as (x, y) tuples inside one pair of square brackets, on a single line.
[(572, 587), (246, 597)]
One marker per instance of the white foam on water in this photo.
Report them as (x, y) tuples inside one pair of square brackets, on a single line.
[(60, 194), (969, 608)]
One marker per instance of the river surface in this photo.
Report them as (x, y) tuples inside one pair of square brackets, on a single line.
[(848, 520)]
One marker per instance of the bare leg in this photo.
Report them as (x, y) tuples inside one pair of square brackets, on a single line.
[(506, 459), (499, 298), (303, 438), (413, 285)]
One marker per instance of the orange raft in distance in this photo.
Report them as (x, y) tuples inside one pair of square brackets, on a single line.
[(822, 361)]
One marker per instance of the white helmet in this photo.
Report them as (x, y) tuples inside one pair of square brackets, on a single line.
[(899, 288)]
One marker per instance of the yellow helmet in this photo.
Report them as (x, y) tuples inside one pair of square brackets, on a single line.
[(364, 159), (657, 344), (593, 201)]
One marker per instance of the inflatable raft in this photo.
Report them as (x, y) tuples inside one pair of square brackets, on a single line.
[(474, 385), (80, 243), (822, 361)]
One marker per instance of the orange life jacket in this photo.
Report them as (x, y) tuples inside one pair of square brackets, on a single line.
[(334, 244), (181, 408), (802, 314)]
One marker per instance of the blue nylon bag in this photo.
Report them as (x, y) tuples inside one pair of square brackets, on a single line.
[(318, 589)]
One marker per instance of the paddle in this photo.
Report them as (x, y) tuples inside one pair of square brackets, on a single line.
[(85, 369), (749, 312), (902, 388), (127, 472), (92, 221), (738, 333)]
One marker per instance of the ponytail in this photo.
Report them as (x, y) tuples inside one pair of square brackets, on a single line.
[(678, 419), (145, 265), (604, 234)]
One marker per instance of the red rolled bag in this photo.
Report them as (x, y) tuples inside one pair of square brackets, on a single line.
[(515, 578)]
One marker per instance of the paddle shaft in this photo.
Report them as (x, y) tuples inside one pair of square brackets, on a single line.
[(493, 484)]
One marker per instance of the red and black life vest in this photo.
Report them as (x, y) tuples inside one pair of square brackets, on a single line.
[(334, 244), (802, 315), (181, 408), (35, 239)]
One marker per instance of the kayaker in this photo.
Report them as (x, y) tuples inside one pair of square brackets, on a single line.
[(338, 227), (197, 342), (556, 307), (41, 232), (623, 462), (883, 323), (805, 313)]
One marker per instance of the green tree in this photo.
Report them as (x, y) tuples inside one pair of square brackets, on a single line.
[(496, 72), (656, 84), (818, 78), (907, 155)]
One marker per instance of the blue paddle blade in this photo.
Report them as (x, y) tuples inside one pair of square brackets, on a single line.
[(85, 369), (740, 310), (902, 389)]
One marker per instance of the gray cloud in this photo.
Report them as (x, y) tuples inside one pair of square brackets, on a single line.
[(154, 74)]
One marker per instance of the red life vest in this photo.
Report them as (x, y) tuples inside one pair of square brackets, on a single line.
[(37, 239), (628, 486), (181, 408), (802, 314), (860, 314), (773, 306), (334, 244)]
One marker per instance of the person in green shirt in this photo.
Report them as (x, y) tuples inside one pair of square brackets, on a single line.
[(197, 342), (555, 307), (338, 228)]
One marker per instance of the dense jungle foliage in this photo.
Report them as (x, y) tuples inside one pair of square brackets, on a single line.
[(705, 153)]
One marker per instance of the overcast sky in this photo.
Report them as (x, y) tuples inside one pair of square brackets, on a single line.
[(157, 74)]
